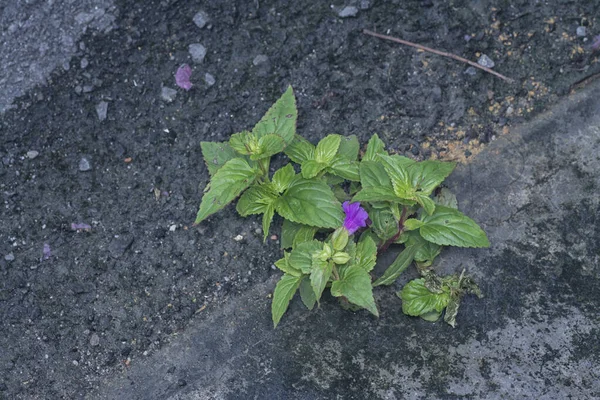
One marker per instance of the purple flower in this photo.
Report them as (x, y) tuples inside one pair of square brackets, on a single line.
[(182, 77), (46, 253), (356, 217)]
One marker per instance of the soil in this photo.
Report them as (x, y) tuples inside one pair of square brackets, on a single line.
[(112, 294)]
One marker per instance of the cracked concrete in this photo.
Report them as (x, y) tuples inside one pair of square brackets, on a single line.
[(534, 335)]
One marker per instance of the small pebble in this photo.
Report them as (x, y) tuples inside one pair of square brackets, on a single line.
[(238, 238), (581, 31), (485, 61), (66, 66), (258, 231), (509, 111), (260, 59), (173, 228), (168, 94), (197, 51), (348, 11), (101, 110), (84, 63), (9, 257), (365, 4), (209, 79), (84, 165), (94, 340), (471, 71), (274, 237), (87, 88), (31, 154), (201, 19), (75, 363), (78, 89)]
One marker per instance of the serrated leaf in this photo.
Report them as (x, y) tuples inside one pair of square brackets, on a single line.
[(300, 150), (383, 223), (349, 148), (310, 202), (307, 293), (268, 145), (426, 252), (227, 184), (417, 300), (425, 176), (374, 148), (376, 193), (344, 169), (293, 234), (355, 285), (283, 177), (402, 262), (284, 265), (266, 220), (366, 253), (284, 291), (281, 118), (301, 255), (411, 224), (256, 200), (319, 276), (372, 174), (311, 168), (244, 142), (216, 155), (397, 169), (450, 227), (327, 149), (425, 202)]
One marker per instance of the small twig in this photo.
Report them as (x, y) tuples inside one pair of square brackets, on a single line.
[(440, 53)]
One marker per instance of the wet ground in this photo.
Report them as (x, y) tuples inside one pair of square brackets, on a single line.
[(96, 140)]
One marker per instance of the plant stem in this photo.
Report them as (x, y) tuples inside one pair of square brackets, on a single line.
[(336, 275), (391, 240)]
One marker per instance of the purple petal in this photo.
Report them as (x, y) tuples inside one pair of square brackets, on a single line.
[(182, 77), (356, 217), (46, 253), (79, 227)]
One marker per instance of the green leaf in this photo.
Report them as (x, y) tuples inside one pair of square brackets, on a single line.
[(227, 184), (310, 202), (349, 148), (450, 227), (402, 262), (425, 202), (355, 285), (366, 253), (427, 175), (256, 200), (283, 177), (327, 149), (372, 174), (293, 234), (319, 276), (300, 150), (397, 169), (446, 198), (216, 155), (284, 291), (301, 257), (345, 169), (244, 143), (383, 223), (411, 224), (307, 294), (266, 221), (311, 168), (374, 148), (284, 265), (377, 193), (417, 300), (268, 145), (280, 120)]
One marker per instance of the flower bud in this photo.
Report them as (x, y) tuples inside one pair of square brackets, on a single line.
[(339, 239)]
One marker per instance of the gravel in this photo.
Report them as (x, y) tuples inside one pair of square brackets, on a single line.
[(209, 79), (348, 11), (101, 110), (168, 94), (84, 165), (485, 61), (260, 59), (197, 51), (201, 19), (31, 154)]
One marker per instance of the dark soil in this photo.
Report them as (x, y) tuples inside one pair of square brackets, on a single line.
[(108, 296)]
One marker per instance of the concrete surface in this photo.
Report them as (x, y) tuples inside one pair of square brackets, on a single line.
[(534, 336)]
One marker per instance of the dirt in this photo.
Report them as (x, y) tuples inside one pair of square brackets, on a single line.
[(108, 296)]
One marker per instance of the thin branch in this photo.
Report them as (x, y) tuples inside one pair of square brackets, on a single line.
[(440, 53)]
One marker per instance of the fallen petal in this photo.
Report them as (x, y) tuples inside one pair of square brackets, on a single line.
[(80, 227), (182, 77), (46, 253)]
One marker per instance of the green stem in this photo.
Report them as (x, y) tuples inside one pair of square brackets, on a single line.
[(391, 240), (336, 275)]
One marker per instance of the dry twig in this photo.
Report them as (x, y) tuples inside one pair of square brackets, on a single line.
[(440, 53)]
